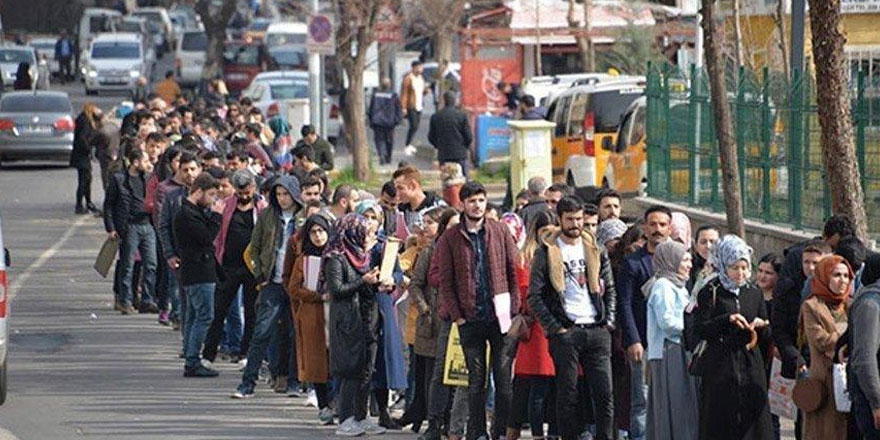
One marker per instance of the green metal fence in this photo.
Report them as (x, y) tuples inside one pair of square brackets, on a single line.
[(778, 141)]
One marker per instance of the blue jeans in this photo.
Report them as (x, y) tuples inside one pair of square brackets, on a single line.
[(638, 401), (282, 349), (861, 412), (233, 328), (270, 304), (138, 237), (174, 295), (199, 314)]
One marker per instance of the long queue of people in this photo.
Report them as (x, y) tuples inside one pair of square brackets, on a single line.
[(568, 318)]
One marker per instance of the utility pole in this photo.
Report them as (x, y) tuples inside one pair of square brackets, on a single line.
[(798, 8), (695, 88), (315, 90)]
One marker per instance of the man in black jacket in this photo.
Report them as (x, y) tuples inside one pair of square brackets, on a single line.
[(126, 220), (450, 134), (195, 226), (384, 114), (572, 294)]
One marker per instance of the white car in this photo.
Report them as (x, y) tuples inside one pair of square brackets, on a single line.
[(115, 63), (287, 32), (160, 25), (11, 57), (4, 317), (189, 58), (46, 46)]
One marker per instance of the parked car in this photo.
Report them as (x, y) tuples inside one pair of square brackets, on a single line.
[(289, 57), (11, 57), (627, 167), (116, 61), (160, 25), (46, 46), (545, 88), (4, 316), (587, 118), (35, 125), (190, 57), (242, 61), (286, 32)]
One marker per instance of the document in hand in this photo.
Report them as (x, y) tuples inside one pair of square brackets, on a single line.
[(106, 256)]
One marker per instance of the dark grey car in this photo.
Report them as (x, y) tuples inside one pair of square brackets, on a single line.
[(35, 126)]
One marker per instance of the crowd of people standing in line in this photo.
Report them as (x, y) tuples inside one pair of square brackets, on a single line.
[(567, 316)]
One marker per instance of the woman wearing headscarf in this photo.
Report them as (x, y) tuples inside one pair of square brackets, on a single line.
[(351, 281), (533, 372), (680, 229), (672, 393), (704, 241), (390, 372), (307, 309), (609, 232), (823, 319), (85, 132), (282, 143), (732, 319), (23, 77)]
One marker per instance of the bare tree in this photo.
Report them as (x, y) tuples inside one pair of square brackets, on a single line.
[(779, 20), (215, 21), (584, 41), (355, 20), (737, 34), (833, 99), (713, 42)]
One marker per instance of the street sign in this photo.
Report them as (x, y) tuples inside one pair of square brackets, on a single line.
[(321, 38), (388, 27)]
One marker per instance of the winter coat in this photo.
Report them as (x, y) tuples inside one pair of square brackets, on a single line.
[(384, 110), (733, 400), (171, 203), (231, 203), (354, 317), (787, 301), (266, 238), (532, 356), (822, 334), (450, 133), (547, 284), (635, 270), (195, 229), (424, 297), (83, 142), (307, 307), (455, 255), (118, 203)]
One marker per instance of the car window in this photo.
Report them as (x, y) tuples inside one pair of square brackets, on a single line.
[(195, 42), (98, 23), (259, 26), (16, 56), (561, 113), (289, 57), (293, 90), (116, 50), (242, 55), (608, 107), (577, 114), (35, 104), (285, 38), (128, 26)]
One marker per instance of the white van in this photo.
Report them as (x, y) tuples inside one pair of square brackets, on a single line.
[(190, 57), (287, 32), (160, 26), (95, 21), (116, 61)]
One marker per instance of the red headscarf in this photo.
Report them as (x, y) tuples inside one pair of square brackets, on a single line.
[(822, 277)]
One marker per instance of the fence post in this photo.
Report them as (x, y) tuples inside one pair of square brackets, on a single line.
[(861, 116), (693, 188), (795, 144), (667, 152), (766, 131), (651, 122)]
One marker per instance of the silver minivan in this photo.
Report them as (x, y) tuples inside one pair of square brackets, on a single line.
[(115, 63), (190, 57)]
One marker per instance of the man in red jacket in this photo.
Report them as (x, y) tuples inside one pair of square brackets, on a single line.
[(478, 287)]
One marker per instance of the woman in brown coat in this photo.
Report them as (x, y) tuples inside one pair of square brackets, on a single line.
[(823, 316), (307, 307)]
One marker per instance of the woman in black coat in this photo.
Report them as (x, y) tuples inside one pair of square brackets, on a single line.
[(23, 79), (85, 133), (732, 318), (354, 316)]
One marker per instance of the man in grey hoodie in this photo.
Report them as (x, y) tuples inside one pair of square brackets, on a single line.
[(864, 361)]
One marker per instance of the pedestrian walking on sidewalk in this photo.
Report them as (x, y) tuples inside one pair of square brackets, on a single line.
[(385, 114)]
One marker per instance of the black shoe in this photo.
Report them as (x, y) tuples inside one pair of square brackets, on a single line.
[(200, 371), (386, 422), (149, 308), (80, 210), (92, 208), (432, 433)]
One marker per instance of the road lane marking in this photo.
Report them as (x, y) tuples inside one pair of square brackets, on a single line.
[(44, 257)]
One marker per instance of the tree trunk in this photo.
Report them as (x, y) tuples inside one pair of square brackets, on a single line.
[(583, 42), (213, 55), (713, 41), (779, 19), (838, 148), (214, 21), (443, 44), (386, 60), (355, 123), (737, 34), (587, 52)]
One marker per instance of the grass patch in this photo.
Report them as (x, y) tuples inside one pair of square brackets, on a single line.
[(347, 176), (491, 173)]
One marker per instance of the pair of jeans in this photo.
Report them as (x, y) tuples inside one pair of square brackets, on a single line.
[(384, 139), (230, 342), (638, 402), (139, 237), (271, 302), (175, 296), (414, 117), (474, 335), (282, 355), (227, 292), (531, 394), (861, 412), (589, 348), (354, 391), (199, 313)]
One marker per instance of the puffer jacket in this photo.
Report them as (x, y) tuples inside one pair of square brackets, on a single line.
[(547, 284), (354, 316)]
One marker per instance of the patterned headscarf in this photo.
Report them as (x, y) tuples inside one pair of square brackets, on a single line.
[(610, 229), (368, 205), (516, 227), (822, 276), (728, 251), (349, 239), (666, 260), (681, 229)]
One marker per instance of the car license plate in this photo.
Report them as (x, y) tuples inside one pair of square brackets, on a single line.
[(36, 129)]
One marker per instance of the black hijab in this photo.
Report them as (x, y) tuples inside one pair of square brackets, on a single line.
[(308, 247)]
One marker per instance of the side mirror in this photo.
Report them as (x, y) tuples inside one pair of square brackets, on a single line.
[(7, 260), (606, 143)]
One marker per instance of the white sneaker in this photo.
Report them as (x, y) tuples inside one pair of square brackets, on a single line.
[(350, 428), (312, 399), (370, 428), (410, 150), (326, 416), (242, 364), (207, 364)]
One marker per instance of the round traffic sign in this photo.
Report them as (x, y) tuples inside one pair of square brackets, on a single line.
[(320, 28)]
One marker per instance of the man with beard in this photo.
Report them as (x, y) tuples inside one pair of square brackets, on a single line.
[(477, 274), (636, 269), (196, 225), (572, 294), (240, 214)]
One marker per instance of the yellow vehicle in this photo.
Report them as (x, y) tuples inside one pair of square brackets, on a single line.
[(627, 167), (587, 116)]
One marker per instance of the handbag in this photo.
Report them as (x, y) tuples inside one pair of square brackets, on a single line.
[(520, 328), (808, 394), (842, 399), (698, 364)]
